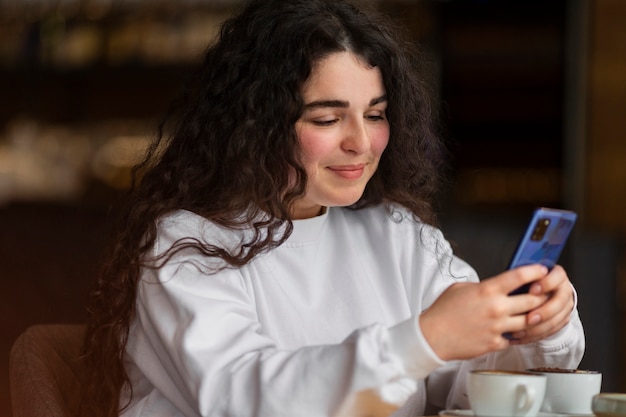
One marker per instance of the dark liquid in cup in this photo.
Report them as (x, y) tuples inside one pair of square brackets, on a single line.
[(562, 371)]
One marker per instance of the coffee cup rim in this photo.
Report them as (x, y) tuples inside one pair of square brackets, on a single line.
[(564, 371), (505, 372)]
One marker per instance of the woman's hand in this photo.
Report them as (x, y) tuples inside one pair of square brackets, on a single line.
[(554, 314), (469, 319)]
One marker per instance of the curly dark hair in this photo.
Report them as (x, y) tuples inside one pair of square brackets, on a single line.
[(228, 151)]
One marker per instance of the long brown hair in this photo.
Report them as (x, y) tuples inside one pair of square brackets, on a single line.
[(228, 151)]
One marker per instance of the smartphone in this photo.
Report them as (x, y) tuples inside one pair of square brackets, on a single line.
[(543, 241)]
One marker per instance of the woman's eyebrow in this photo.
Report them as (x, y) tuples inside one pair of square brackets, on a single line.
[(341, 103), (377, 100), (327, 103)]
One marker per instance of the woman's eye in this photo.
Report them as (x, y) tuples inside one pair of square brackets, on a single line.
[(324, 122), (375, 117)]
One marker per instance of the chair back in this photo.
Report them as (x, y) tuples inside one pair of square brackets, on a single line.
[(45, 371)]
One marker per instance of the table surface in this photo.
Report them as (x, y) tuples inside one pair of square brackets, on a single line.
[(366, 403)]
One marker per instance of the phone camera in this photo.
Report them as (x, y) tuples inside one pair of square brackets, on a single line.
[(540, 229)]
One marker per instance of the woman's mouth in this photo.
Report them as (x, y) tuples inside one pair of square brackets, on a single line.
[(349, 172)]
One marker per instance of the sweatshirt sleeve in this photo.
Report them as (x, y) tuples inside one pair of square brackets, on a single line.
[(199, 344), (447, 386), (198, 348)]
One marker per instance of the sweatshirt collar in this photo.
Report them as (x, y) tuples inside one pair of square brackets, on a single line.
[(307, 230)]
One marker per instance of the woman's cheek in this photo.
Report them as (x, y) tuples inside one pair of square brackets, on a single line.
[(379, 144), (314, 145)]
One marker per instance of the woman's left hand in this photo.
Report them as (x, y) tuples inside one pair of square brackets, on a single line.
[(552, 315)]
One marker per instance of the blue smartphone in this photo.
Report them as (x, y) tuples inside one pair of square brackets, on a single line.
[(543, 240)]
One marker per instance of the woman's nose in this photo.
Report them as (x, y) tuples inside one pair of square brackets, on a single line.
[(356, 139)]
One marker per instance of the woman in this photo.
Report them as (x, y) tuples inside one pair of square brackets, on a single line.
[(280, 254)]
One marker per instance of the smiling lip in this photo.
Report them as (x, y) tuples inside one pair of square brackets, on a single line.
[(349, 172)]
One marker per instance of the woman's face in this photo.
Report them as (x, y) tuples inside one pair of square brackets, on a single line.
[(343, 132)]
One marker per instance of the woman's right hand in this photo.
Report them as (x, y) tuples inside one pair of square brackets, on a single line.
[(469, 319)]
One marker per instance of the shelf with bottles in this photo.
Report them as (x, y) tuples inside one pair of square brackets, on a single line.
[(77, 35), (42, 161)]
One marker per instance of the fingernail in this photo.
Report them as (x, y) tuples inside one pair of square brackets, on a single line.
[(536, 289), (534, 319)]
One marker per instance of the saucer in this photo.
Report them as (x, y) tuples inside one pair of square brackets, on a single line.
[(470, 413), (609, 404)]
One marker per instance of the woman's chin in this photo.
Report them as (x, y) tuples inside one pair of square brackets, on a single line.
[(345, 201)]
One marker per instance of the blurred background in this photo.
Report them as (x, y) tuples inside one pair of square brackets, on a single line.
[(533, 98)]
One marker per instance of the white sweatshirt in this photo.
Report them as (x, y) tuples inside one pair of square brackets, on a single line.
[(331, 312)]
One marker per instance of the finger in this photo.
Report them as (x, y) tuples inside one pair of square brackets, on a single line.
[(524, 303), (561, 300), (538, 323), (516, 325), (542, 330), (516, 277), (547, 326), (556, 277), (558, 314)]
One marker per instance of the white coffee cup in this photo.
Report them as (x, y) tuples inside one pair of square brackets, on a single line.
[(498, 393), (569, 391)]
